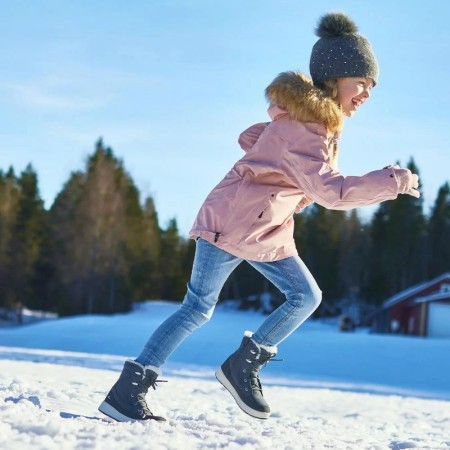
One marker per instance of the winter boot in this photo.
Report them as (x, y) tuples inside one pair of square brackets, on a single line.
[(125, 401), (239, 374)]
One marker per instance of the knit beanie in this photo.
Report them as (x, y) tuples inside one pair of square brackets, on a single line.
[(341, 51)]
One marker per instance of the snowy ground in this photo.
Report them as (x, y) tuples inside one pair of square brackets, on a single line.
[(333, 391)]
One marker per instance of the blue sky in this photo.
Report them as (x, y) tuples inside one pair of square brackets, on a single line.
[(169, 85)]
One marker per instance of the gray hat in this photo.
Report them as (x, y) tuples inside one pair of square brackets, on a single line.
[(341, 51)]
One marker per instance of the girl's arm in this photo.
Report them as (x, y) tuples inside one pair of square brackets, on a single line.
[(329, 188)]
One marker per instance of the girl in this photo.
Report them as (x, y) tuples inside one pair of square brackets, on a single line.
[(289, 163)]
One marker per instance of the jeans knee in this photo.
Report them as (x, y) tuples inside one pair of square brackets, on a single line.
[(315, 298), (197, 316), (307, 300)]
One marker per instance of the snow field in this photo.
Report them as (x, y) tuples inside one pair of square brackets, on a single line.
[(332, 391), (49, 406)]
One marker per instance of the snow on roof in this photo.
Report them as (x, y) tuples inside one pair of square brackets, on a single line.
[(414, 290), (433, 297)]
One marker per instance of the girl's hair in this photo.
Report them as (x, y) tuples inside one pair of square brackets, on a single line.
[(330, 87)]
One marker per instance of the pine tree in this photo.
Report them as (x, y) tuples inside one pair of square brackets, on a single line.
[(318, 241), (439, 233), (173, 285), (30, 233), (63, 223), (146, 274), (9, 199), (99, 231), (353, 241), (22, 225), (398, 244)]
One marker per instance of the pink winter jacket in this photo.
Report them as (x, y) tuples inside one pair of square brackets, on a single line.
[(287, 165)]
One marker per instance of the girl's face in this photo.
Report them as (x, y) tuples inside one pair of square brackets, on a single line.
[(352, 93)]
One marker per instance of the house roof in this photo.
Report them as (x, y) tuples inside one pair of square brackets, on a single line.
[(433, 297), (414, 290)]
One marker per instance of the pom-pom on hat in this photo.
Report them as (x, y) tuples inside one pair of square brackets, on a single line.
[(341, 51)]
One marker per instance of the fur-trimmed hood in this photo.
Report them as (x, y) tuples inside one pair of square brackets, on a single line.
[(304, 102)]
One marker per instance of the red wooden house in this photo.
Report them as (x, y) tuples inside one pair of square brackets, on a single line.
[(421, 310)]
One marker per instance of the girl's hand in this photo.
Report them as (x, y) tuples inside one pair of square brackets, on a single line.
[(407, 182)]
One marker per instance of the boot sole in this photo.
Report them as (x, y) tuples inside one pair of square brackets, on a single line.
[(112, 412), (223, 380)]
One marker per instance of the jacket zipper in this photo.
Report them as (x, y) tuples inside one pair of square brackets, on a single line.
[(262, 212), (216, 237)]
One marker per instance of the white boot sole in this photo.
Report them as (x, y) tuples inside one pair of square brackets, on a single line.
[(112, 412), (228, 386), (109, 411)]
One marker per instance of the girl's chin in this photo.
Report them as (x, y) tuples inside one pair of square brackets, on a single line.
[(349, 109)]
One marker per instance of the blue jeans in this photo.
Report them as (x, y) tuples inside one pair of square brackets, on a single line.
[(212, 266)]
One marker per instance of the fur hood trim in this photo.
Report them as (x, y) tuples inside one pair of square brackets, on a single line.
[(304, 102)]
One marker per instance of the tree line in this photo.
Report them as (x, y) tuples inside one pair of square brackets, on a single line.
[(100, 247)]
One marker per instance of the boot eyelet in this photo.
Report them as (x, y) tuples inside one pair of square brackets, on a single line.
[(246, 389), (245, 381)]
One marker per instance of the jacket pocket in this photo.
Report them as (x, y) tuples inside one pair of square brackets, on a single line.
[(261, 220)]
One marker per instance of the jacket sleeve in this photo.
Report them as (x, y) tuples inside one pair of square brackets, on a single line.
[(248, 138), (321, 183), (304, 202)]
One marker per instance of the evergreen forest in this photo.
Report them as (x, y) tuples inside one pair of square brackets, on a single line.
[(100, 246)]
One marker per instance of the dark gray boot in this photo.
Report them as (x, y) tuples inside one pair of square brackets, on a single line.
[(125, 401), (239, 374)]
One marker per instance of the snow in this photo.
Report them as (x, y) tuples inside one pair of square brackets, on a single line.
[(333, 390)]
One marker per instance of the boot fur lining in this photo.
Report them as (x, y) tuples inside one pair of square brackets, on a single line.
[(268, 348), (155, 369)]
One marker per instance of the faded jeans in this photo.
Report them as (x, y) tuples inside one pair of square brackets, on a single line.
[(212, 266)]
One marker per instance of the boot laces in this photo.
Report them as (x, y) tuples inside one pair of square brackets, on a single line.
[(142, 389), (257, 365)]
